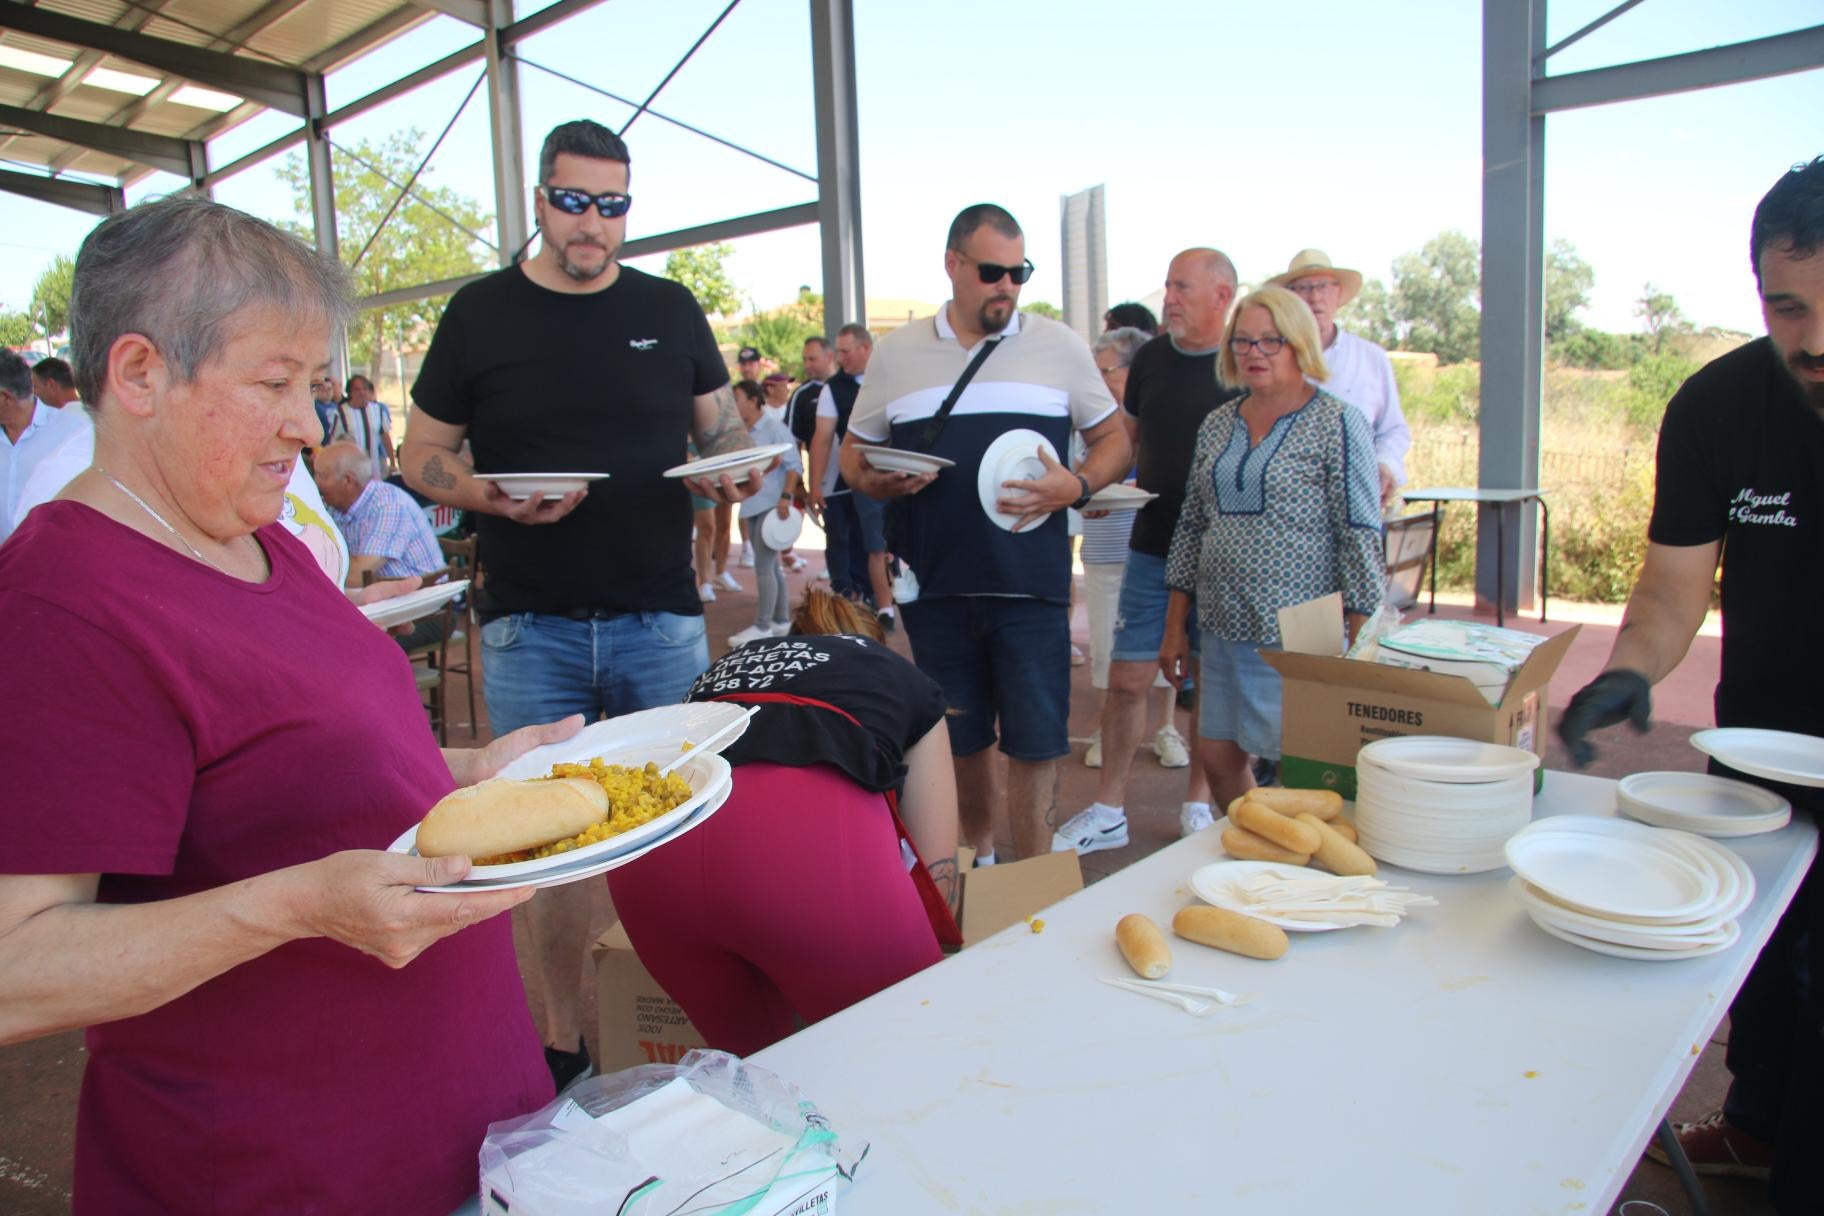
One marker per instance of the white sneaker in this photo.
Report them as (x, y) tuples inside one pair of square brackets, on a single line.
[(1099, 827), (1092, 758), (1168, 745), (781, 628), (794, 563), (753, 633), (747, 556), (728, 580), (1194, 817), (823, 575), (707, 593)]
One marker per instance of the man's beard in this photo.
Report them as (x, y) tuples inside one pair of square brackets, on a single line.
[(582, 274), (1810, 391), (991, 325)]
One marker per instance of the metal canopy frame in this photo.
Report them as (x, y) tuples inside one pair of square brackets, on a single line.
[(299, 90), (1517, 96)]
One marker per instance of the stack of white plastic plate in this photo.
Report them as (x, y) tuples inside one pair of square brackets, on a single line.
[(1700, 803), (1441, 805), (652, 735), (1629, 890)]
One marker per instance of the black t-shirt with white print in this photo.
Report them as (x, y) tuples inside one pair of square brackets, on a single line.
[(1741, 460), (894, 703)]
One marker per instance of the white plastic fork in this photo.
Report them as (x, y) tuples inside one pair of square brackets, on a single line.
[(1221, 996), (1158, 994), (696, 749)]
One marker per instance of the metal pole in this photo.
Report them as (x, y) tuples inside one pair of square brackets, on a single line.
[(322, 173), (1513, 305), (838, 161), (510, 180)]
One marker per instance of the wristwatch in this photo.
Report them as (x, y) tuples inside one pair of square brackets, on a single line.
[(1083, 501)]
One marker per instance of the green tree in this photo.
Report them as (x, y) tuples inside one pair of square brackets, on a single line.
[(417, 244), (1661, 315), (1370, 315), (16, 329), (1042, 308), (1568, 279), (50, 310), (701, 268), (779, 333), (1437, 297)]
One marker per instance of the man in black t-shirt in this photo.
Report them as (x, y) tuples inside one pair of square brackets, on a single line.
[(1171, 388), (571, 362), (1741, 476)]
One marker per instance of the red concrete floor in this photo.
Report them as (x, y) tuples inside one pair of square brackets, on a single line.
[(39, 1080)]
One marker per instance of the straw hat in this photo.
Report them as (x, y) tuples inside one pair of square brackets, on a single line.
[(1312, 263)]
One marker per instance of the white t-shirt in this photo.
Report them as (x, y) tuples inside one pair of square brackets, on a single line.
[(304, 514)]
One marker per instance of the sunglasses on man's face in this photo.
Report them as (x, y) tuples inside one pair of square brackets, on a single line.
[(991, 272), (612, 205)]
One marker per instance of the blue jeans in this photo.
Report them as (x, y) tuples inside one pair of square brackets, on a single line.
[(537, 669)]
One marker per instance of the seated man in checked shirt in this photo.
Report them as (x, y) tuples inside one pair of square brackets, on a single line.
[(386, 530)]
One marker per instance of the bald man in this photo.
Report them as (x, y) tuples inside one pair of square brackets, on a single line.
[(386, 529), (1171, 387)]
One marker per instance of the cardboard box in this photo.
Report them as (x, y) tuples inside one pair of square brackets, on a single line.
[(639, 1024), (1334, 706)]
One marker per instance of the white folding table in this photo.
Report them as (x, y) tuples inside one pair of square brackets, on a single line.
[(1462, 1062)]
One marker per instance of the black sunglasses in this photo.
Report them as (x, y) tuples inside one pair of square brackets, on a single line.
[(991, 272), (576, 202)]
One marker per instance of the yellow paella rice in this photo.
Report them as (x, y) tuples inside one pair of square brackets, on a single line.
[(635, 796)]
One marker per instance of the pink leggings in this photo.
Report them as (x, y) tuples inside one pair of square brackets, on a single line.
[(792, 899)]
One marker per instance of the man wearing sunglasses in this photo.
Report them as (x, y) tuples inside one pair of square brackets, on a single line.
[(571, 362), (992, 620)]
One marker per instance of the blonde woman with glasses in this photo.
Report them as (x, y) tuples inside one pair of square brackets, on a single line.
[(1282, 506)]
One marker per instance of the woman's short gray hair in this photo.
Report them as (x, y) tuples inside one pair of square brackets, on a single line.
[(1125, 342), (179, 271)]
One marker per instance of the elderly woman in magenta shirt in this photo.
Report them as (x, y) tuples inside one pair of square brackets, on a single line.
[(205, 744), (1283, 505)]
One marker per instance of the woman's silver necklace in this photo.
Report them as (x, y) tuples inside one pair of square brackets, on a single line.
[(162, 521)]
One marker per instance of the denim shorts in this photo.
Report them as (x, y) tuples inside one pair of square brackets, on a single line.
[(1002, 659), (1140, 619), (537, 669), (871, 516), (1241, 697)]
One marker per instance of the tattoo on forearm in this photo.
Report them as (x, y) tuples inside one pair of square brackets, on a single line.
[(726, 433), (943, 873), (436, 476)]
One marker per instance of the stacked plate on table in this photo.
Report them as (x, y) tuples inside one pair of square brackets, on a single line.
[(1441, 805), (1700, 803), (1627, 889), (652, 735)]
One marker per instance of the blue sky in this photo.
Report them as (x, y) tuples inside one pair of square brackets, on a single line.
[(1344, 125)]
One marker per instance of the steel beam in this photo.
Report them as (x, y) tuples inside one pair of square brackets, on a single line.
[(683, 238), (159, 151), (81, 196), (1798, 51), (510, 181), (838, 161), (1513, 303), (474, 12), (543, 19), (322, 171), (279, 88)]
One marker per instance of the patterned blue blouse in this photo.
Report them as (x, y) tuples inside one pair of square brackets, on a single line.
[(1287, 520)]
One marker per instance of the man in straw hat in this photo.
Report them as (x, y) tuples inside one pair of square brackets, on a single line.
[(1360, 372)]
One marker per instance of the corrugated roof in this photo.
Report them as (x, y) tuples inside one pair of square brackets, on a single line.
[(70, 81)]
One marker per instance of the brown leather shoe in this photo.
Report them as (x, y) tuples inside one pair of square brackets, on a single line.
[(1715, 1147)]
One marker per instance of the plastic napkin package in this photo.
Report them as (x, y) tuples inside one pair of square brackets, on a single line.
[(710, 1135)]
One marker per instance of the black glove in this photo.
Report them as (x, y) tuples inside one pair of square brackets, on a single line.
[(1604, 701)]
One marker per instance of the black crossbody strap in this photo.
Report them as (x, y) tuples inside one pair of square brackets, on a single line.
[(935, 427)]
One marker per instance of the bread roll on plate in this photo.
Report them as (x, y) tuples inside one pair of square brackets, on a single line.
[(501, 816)]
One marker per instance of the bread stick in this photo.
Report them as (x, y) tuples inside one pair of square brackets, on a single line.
[(1342, 827), (1244, 845), (1325, 804), (1143, 946), (1231, 931), (1288, 834), (1336, 854)]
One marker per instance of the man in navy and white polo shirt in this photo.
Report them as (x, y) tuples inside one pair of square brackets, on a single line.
[(1741, 481), (992, 620)]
